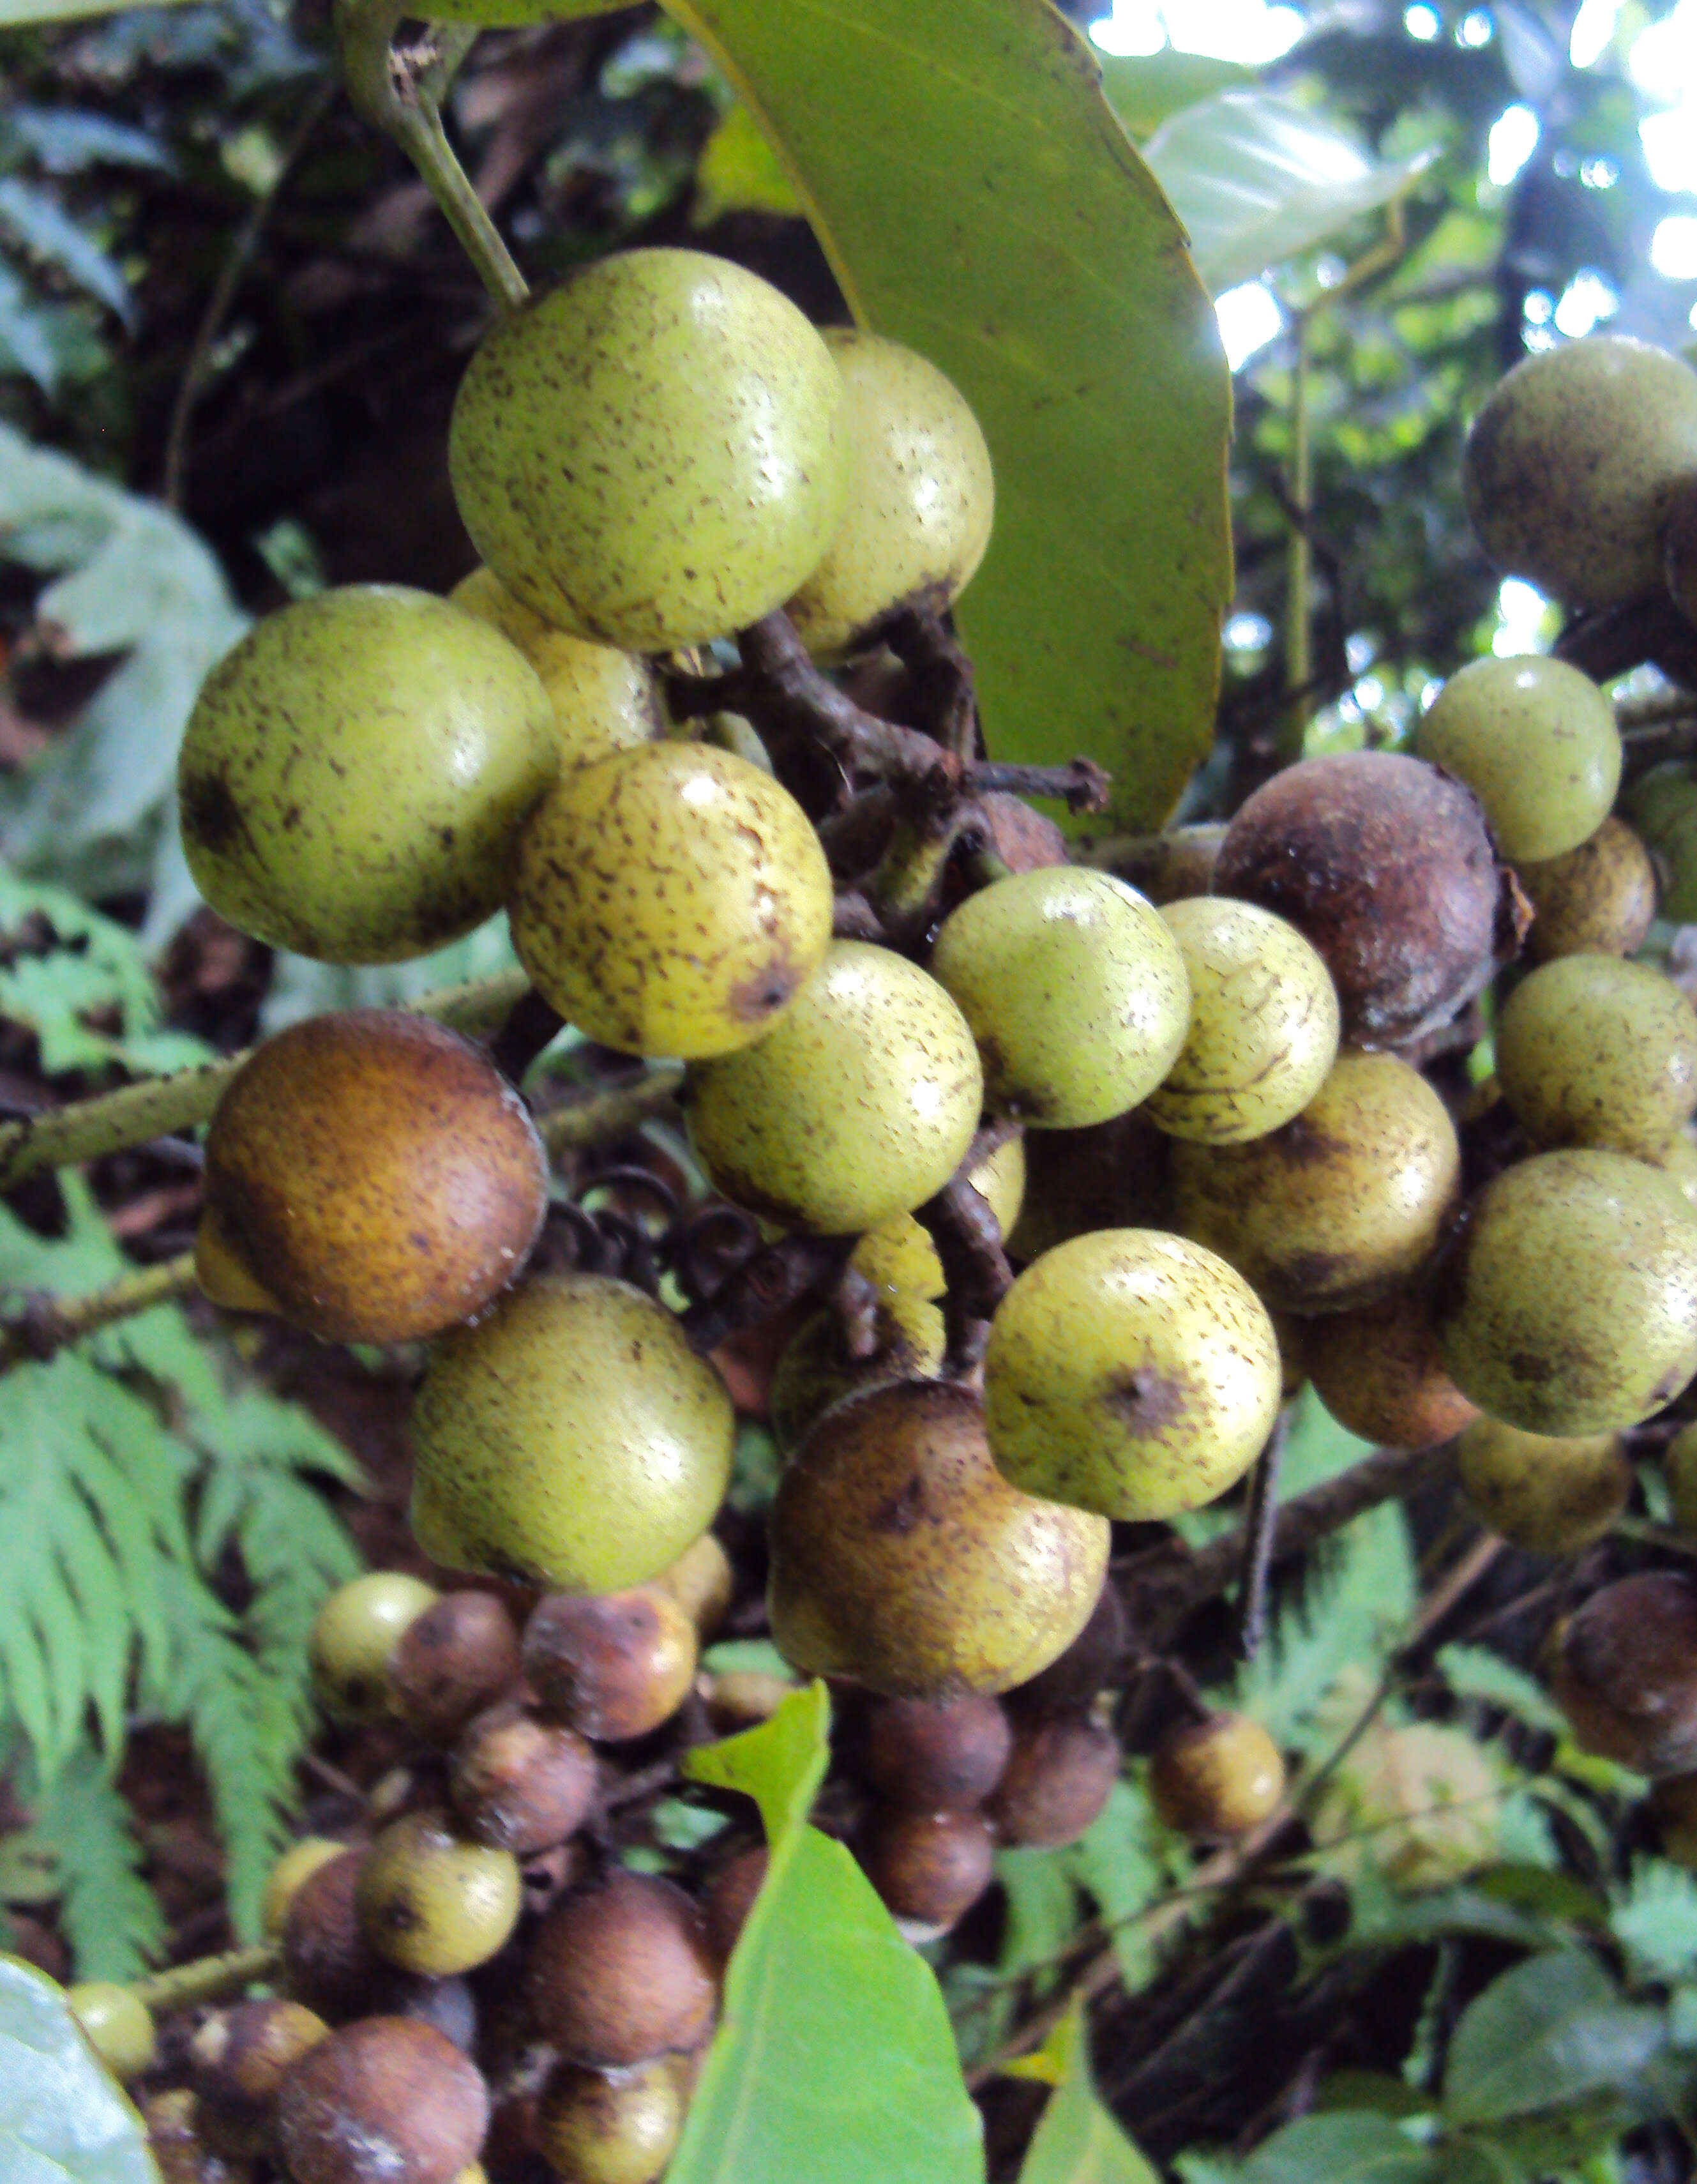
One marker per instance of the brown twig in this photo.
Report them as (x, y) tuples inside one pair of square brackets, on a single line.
[(1260, 1519), (976, 1271), (531, 1024)]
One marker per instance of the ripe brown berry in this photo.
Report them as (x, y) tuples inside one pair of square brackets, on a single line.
[(240, 2057), (925, 1758), (328, 1964), (617, 2127), (619, 1971), (1220, 1777), (455, 1660), (727, 1900), (1381, 1373), (703, 1583), (929, 1868), (1625, 1673), (178, 2144), (1090, 1664), (519, 1784), (291, 1870), (612, 1666), (386, 2101), (1056, 1783)]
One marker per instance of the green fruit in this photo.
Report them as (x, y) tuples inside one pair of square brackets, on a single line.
[(432, 1902), (859, 1106), (117, 2025), (1076, 991), (1129, 1373), (1263, 1023), (354, 772), (1599, 900), (1535, 740), (1573, 463), (672, 900), (1680, 1463), (1551, 1495), (604, 700), (1594, 1051), (816, 1369), (920, 495), (899, 1257), (620, 2128), (652, 453), (1570, 1303), (1678, 1160), (353, 1636), (1663, 807), (570, 1439), (1218, 1777), (612, 1668)]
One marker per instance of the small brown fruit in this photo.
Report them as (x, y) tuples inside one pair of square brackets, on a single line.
[(299, 1860), (728, 1899), (1090, 1664), (817, 1370), (519, 1784), (1220, 1777), (1380, 1372), (1625, 1673), (458, 1657), (1057, 1781), (619, 1971), (433, 1903), (240, 2057), (328, 1964), (617, 2127), (930, 1868), (117, 2024), (386, 2101), (613, 1667), (924, 1758), (354, 1637)]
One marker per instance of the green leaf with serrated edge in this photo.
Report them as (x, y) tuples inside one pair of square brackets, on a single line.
[(1474, 1672), (978, 201), (62, 2119), (1348, 2147), (1077, 2141), (1544, 2036)]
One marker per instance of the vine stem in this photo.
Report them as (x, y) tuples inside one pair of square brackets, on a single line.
[(51, 1322), (207, 1979), (609, 1114)]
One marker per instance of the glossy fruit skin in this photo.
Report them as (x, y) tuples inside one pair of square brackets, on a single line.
[(1661, 805), (355, 772), (1380, 1372), (1550, 1495), (354, 1633), (457, 1658), (297, 1864), (924, 1758), (1341, 1205), (814, 1371), (899, 1258), (374, 1174), (902, 1560), (618, 2128), (1129, 1373), (240, 2057), (730, 476), (604, 700), (1601, 1343), (433, 1903), (1220, 1777), (612, 1668), (1059, 1778), (518, 1784), (1599, 900), (386, 2101), (929, 1868), (1625, 1673), (1536, 742), (920, 499), (1075, 989), (1264, 1023), (672, 900), (1594, 1051), (1572, 465), (618, 1972), (117, 2025), (570, 1439), (859, 1106)]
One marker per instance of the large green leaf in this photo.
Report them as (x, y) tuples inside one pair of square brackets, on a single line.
[(1353, 2146), (62, 2119), (1548, 2035), (979, 201), (1077, 2141)]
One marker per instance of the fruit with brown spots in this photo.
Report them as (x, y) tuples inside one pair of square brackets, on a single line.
[(240, 2057), (907, 1342), (386, 2101), (430, 1901), (611, 2127), (1536, 742), (1380, 1372), (1599, 900), (921, 1757), (929, 1868), (603, 700), (457, 1658), (618, 1971), (297, 1864), (1594, 1051), (1550, 1495), (354, 1637), (614, 1667), (1624, 1673), (1216, 1778), (519, 1784), (1059, 1778), (898, 1256)]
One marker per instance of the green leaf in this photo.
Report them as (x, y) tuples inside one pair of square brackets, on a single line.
[(1145, 89), (1077, 2141), (738, 171), (978, 200), (1656, 1924), (1347, 2147), (1545, 2035), (1474, 1672), (62, 2119), (112, 1918), (1119, 1864), (780, 1765)]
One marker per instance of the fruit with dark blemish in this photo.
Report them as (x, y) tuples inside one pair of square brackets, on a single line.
[(929, 1868), (816, 1369), (618, 1971), (1594, 1051), (611, 2127), (612, 1668), (1599, 900), (603, 700), (239, 2059), (1216, 1778), (1059, 1775), (671, 899), (354, 1637), (922, 1757), (1624, 1673), (386, 2101), (451, 1661), (354, 772), (117, 2024), (1380, 1372), (1129, 1373), (372, 1177), (1536, 742), (518, 1783), (1549, 1494), (431, 1902)]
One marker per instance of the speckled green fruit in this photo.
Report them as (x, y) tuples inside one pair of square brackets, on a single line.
[(920, 495), (432, 1902), (117, 2025), (899, 1257), (1129, 1373), (1678, 1160), (355, 772), (652, 453), (1263, 1032), (902, 1559), (1550, 1494), (1339, 1207), (597, 2127), (1594, 1051), (604, 700), (1569, 1304), (355, 1633), (1662, 806), (1572, 464), (1535, 740), (1599, 900), (572, 1439), (1076, 991), (859, 1106), (1218, 1777), (673, 899), (816, 1370)]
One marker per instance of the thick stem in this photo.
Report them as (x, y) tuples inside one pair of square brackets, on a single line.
[(976, 1271), (598, 1116), (207, 1979), (50, 1322)]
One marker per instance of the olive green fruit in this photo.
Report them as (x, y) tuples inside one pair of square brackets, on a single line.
[(859, 1106), (902, 1559), (1340, 1205), (1591, 1051), (1599, 900), (653, 452), (431, 1902), (1076, 991), (672, 900), (926, 1758), (353, 1635), (116, 2023), (703, 1583), (355, 772), (386, 2101), (1263, 1032), (1218, 1777), (1549, 1494), (240, 2057), (1569, 1304), (1167, 866), (297, 1863), (1380, 1372), (816, 1369), (519, 1784), (572, 1439), (1662, 806), (612, 1668), (898, 1256), (929, 1868), (1680, 1464), (1422, 1802), (921, 495), (374, 1174), (604, 700), (1114, 1175), (1059, 1776), (1536, 742), (1129, 1373), (458, 1657), (618, 1971), (1624, 1673), (1678, 1160), (1572, 466), (600, 2127)]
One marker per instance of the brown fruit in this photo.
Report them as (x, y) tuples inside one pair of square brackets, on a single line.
[(728, 1899), (519, 1784), (178, 2144), (1550, 1495), (1090, 1664), (386, 2101), (1220, 1777), (1109, 1175), (816, 1370), (457, 1658), (1380, 1372), (432, 1902), (596, 2127), (291, 1870), (1599, 900), (1626, 1674), (930, 1868), (1058, 1780), (619, 1971), (328, 1964), (924, 1758), (240, 2057), (613, 1666), (1022, 838)]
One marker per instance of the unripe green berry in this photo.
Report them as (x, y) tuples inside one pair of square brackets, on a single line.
[(117, 2025), (1535, 740), (1594, 1051), (355, 1633), (611, 2127), (431, 1902), (1661, 805), (604, 700), (816, 1369), (1551, 1495)]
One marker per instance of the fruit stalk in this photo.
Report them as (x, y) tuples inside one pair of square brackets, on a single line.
[(968, 1237), (48, 1324), (207, 1979)]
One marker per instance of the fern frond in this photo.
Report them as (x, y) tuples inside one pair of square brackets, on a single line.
[(1474, 1672), (1656, 1924), (111, 1917)]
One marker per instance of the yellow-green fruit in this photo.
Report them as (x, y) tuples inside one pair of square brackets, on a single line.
[(117, 2025), (1569, 1304), (1599, 900), (1572, 466), (652, 453), (1662, 808), (1263, 1029), (432, 1902), (353, 1635), (1076, 991), (703, 1583), (859, 1106), (353, 774), (298, 1863), (1535, 740), (1422, 1803), (899, 1257), (1681, 1466), (611, 2127), (1129, 1373), (673, 899), (1594, 1051), (1551, 1495), (816, 1370), (1340, 1205), (1218, 1777), (902, 1559), (920, 495), (1678, 1159), (604, 700), (572, 1439)]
